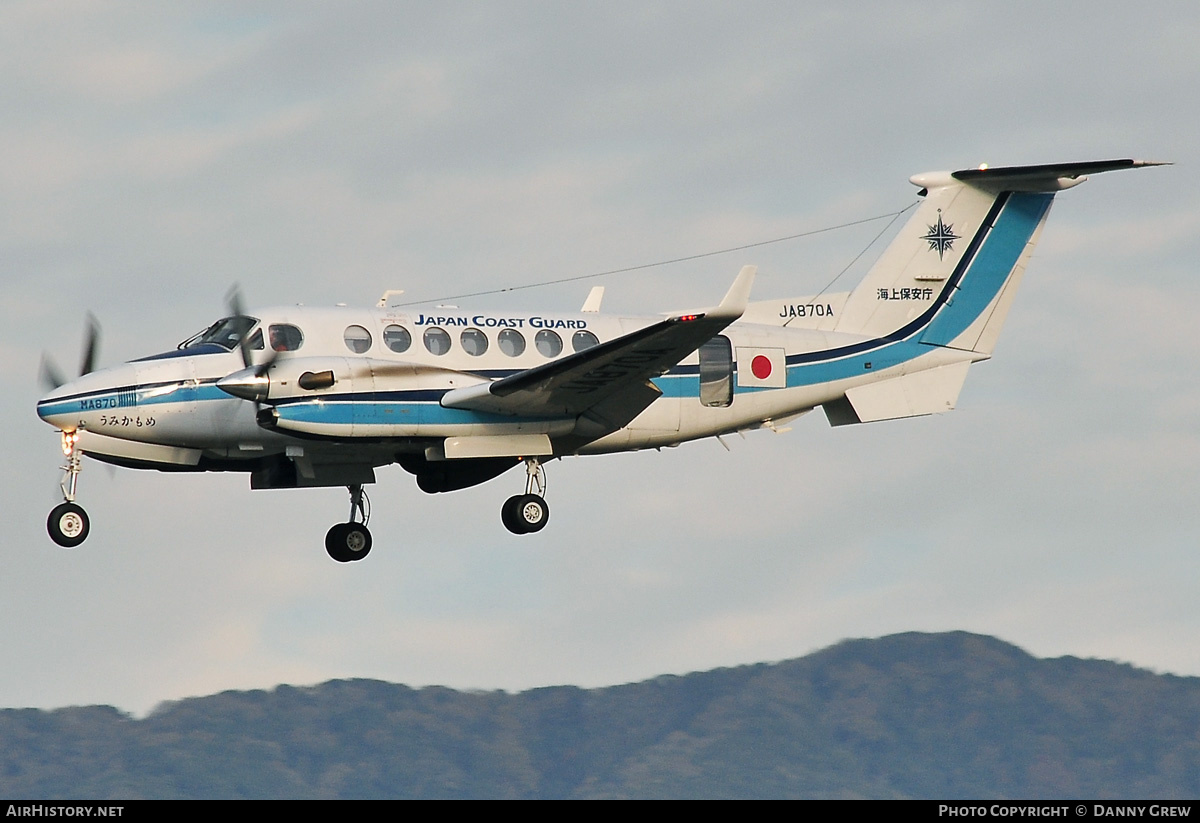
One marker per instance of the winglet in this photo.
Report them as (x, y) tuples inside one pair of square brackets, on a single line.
[(735, 300)]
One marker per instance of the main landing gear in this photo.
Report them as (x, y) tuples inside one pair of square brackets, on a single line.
[(528, 512), (347, 542), (68, 523)]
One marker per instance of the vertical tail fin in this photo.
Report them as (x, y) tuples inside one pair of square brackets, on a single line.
[(950, 276)]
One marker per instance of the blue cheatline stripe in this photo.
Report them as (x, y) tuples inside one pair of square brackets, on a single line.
[(678, 385), (123, 397), (991, 271), (370, 413)]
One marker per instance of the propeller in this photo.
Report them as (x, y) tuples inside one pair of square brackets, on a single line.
[(233, 299), (52, 376), (251, 383)]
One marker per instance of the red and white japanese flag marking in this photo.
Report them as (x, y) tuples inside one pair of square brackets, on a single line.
[(761, 367)]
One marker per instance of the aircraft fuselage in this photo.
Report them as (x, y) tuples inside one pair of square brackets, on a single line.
[(300, 396)]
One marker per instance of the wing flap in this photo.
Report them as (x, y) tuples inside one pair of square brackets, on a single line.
[(509, 445)]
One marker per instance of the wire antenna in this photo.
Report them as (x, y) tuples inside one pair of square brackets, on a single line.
[(892, 214)]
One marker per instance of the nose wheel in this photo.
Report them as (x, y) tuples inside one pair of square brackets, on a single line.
[(351, 541), (529, 512), (68, 524)]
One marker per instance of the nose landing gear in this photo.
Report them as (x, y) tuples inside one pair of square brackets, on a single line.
[(68, 523), (351, 541), (528, 513)]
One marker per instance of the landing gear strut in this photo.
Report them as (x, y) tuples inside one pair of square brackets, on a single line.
[(528, 512), (68, 523), (350, 541)]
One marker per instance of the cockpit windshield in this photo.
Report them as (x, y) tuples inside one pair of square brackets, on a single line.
[(226, 332)]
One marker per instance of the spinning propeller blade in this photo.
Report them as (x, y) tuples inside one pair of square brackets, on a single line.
[(265, 366), (239, 384), (52, 376), (91, 346), (233, 299)]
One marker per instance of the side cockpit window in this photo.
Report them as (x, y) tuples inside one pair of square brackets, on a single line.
[(285, 337)]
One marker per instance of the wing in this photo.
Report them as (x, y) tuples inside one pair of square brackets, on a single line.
[(612, 378)]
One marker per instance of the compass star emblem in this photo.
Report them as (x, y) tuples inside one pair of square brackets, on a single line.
[(941, 236)]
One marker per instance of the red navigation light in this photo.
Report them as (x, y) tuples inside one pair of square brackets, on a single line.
[(689, 317)]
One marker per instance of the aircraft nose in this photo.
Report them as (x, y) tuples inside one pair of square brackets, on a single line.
[(66, 406), (53, 408)]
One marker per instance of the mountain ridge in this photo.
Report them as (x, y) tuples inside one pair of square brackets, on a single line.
[(946, 715)]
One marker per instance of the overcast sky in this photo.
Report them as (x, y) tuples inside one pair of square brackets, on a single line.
[(153, 154)]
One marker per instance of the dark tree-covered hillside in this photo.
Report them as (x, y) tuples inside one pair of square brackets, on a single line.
[(911, 715)]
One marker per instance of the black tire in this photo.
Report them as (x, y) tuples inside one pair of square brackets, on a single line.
[(68, 525), (508, 515), (532, 513), (334, 541), (348, 542)]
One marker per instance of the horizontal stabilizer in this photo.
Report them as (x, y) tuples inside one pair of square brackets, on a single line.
[(912, 395), (955, 264), (1052, 170)]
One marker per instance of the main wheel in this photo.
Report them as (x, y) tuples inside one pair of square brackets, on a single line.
[(347, 542), (532, 512), (68, 525)]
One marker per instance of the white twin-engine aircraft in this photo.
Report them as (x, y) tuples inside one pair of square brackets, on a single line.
[(303, 397)]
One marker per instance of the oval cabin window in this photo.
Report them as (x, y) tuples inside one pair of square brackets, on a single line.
[(397, 338), (358, 339), (437, 341), (511, 342), (474, 342), (548, 343)]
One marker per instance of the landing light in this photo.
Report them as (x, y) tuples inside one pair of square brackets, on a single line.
[(69, 439)]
